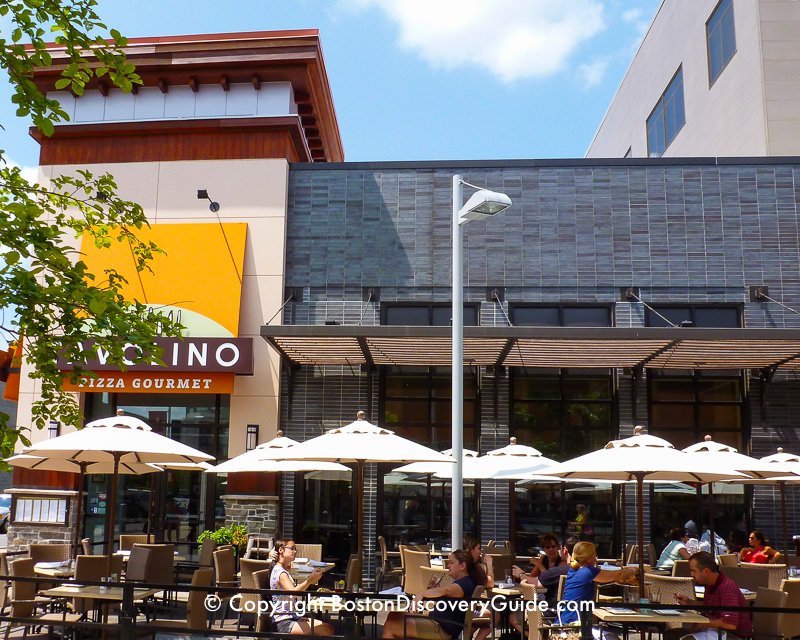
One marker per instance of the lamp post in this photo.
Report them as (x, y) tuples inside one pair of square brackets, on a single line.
[(482, 204)]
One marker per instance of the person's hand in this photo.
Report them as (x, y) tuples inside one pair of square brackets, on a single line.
[(273, 555), (517, 573), (433, 582), (315, 577), (488, 561), (537, 564), (565, 554), (681, 598)]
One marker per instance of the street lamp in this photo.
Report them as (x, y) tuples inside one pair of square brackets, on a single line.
[(482, 204)]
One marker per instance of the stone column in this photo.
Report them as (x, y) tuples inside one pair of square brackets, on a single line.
[(258, 513)]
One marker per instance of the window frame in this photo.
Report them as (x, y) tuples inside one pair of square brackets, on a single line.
[(661, 104), (385, 306), (712, 80), (693, 307), (560, 306)]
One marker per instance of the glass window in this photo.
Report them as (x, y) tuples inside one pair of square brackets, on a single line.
[(696, 315), (426, 315), (721, 38), (536, 316), (561, 316), (667, 117)]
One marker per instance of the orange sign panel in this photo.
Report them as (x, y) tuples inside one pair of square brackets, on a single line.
[(140, 382)]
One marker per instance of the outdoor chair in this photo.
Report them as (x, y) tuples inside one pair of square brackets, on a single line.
[(127, 540), (681, 569), (352, 575), (791, 621), (86, 546), (310, 551), (248, 569), (501, 565), (258, 547), (413, 580), (88, 569), (196, 612), (225, 576), (469, 616), (5, 587), (534, 617), (776, 573), (205, 560), (386, 569), (746, 578), (264, 620), (768, 626), (409, 547), (26, 604), (728, 560), (56, 552)]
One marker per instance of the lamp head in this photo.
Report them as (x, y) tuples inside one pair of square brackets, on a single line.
[(483, 204)]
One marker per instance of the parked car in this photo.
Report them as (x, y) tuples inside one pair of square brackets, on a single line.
[(5, 511)]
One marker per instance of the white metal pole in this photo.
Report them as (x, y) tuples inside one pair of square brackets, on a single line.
[(457, 411)]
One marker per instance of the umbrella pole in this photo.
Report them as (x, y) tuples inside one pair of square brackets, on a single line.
[(711, 516), (109, 542), (623, 524), (360, 506), (151, 507), (640, 528), (79, 507), (782, 486)]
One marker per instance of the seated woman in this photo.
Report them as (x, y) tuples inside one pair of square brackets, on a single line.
[(758, 552), (444, 624), (675, 549), (580, 584), (285, 617)]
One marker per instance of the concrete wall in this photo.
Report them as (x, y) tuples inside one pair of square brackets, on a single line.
[(725, 119)]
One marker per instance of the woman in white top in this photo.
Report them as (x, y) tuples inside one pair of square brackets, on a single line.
[(675, 550), (285, 617)]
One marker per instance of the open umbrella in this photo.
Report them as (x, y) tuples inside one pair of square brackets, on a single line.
[(116, 440), (511, 462), (730, 457), (430, 468), (636, 458), (359, 442)]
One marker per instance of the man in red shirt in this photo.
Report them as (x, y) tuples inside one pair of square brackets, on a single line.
[(720, 591)]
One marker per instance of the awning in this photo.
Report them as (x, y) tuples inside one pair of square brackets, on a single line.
[(550, 347)]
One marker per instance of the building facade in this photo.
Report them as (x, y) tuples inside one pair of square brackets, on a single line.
[(710, 78), (612, 293)]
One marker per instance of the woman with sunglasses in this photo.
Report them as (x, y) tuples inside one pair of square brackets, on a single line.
[(285, 617)]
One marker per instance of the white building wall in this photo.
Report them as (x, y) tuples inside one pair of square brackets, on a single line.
[(726, 119)]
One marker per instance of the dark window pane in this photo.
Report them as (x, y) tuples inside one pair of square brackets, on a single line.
[(587, 388), (720, 416), (406, 411), (443, 316), (547, 442), (678, 438), (720, 390), (655, 131), (406, 386), (674, 316), (416, 316), (537, 415), (721, 35), (673, 107), (672, 416), (577, 442), (715, 63), (716, 317), (588, 415), (662, 389), (536, 316), (536, 388), (586, 317)]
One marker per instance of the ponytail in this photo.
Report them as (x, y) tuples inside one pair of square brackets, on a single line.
[(474, 569)]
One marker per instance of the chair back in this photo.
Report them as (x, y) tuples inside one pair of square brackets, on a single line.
[(88, 569), (768, 624), (22, 593), (57, 552), (652, 557), (746, 579), (86, 546), (257, 547), (206, 557), (225, 566), (728, 560), (248, 568), (413, 580), (136, 569), (127, 540), (681, 569), (310, 551), (664, 588), (470, 613), (352, 575), (501, 565), (384, 553), (562, 580), (791, 621), (436, 573), (5, 586), (196, 612), (161, 563), (775, 573), (263, 619)]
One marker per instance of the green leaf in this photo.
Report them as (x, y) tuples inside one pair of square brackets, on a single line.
[(63, 83)]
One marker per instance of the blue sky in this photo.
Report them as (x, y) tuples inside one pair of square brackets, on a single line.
[(428, 79)]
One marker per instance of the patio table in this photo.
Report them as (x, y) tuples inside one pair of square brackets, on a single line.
[(53, 572), (628, 617)]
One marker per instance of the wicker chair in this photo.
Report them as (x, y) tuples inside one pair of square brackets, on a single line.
[(469, 616), (310, 551), (776, 573), (225, 576), (196, 613), (534, 618), (50, 552), (436, 573), (352, 575), (791, 621), (5, 587), (127, 540), (728, 560), (86, 546), (413, 580), (768, 625), (746, 578), (664, 588), (386, 568), (501, 565), (681, 569), (88, 569), (248, 569)]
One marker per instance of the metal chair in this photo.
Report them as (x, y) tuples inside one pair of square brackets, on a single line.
[(386, 569)]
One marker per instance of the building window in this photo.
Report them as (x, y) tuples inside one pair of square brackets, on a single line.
[(426, 314), (667, 118), (540, 315), (721, 39), (704, 316)]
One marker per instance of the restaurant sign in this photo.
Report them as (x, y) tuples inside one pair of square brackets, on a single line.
[(203, 355), (134, 382)]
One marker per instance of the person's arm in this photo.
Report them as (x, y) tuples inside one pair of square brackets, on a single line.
[(489, 564), (684, 553), (452, 590), (287, 584), (538, 566)]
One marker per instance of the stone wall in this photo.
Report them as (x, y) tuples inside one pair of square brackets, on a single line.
[(258, 513), (21, 534)]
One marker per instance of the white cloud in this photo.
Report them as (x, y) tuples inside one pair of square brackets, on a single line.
[(512, 39), (30, 174), (593, 73)]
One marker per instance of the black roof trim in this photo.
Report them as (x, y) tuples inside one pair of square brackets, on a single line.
[(552, 162)]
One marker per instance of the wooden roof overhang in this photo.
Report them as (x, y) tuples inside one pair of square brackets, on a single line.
[(293, 56), (551, 347)]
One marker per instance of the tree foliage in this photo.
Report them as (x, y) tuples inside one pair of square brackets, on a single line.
[(46, 292)]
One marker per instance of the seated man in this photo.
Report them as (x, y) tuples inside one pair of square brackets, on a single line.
[(720, 591)]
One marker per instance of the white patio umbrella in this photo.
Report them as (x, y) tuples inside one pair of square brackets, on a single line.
[(360, 442), (430, 468), (116, 440), (730, 457), (256, 460), (512, 462), (636, 458)]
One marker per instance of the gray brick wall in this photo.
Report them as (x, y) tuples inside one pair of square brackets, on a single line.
[(577, 232)]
